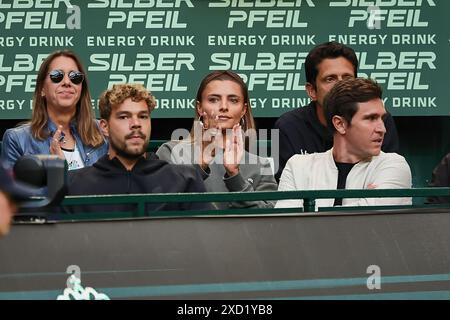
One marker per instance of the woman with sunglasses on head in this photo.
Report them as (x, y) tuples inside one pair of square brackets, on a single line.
[(216, 144), (62, 122)]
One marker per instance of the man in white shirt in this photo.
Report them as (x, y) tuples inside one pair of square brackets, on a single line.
[(354, 111)]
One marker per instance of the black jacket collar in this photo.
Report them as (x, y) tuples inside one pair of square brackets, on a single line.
[(317, 126), (149, 164)]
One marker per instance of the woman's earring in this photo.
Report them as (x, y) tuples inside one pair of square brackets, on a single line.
[(200, 120), (242, 123)]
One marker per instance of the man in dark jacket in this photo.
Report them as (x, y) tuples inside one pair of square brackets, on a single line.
[(304, 130), (127, 168)]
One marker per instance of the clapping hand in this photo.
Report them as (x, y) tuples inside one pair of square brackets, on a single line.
[(234, 150), (55, 144), (205, 139)]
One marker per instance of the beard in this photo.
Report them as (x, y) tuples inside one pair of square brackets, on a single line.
[(122, 149)]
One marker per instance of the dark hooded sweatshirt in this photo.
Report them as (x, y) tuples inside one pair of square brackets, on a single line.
[(149, 175)]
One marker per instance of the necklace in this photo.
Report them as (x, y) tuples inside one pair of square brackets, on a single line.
[(69, 155)]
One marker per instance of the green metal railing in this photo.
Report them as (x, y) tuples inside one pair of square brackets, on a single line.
[(309, 197)]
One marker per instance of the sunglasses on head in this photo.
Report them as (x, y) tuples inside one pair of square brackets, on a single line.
[(57, 75)]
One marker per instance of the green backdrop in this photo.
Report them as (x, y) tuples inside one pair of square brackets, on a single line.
[(169, 45)]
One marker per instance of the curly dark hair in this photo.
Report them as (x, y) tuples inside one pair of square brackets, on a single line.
[(120, 92)]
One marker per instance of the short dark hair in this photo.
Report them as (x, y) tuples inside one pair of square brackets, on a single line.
[(343, 98), (119, 93), (327, 50)]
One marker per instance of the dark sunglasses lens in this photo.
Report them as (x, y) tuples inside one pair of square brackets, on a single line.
[(56, 76), (76, 77)]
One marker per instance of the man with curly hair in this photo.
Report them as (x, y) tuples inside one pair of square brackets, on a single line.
[(127, 168)]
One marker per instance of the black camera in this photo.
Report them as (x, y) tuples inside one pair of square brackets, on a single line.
[(46, 173)]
